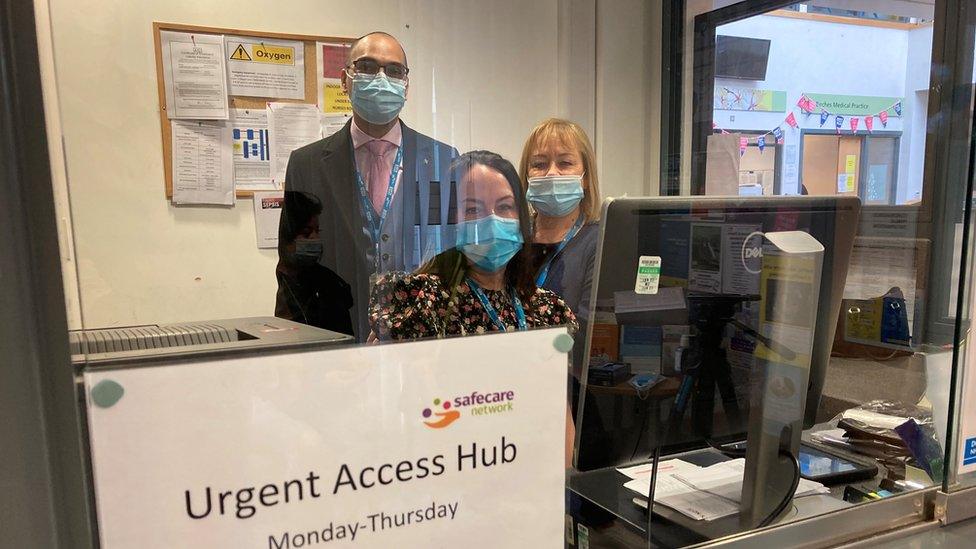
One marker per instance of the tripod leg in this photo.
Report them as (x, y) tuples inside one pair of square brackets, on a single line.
[(726, 388)]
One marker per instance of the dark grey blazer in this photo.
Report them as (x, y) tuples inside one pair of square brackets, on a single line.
[(415, 229)]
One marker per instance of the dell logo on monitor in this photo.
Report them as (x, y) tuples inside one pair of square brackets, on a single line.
[(752, 252)]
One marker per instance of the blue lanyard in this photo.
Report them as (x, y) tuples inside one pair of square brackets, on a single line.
[(540, 279), (367, 204), (492, 313)]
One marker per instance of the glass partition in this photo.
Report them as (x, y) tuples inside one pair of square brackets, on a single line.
[(841, 99), (765, 312)]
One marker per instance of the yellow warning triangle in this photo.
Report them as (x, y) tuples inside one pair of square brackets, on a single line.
[(240, 54)]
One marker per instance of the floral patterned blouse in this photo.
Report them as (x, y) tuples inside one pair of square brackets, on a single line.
[(419, 305)]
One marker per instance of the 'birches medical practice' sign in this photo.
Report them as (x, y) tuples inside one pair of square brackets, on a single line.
[(447, 443)]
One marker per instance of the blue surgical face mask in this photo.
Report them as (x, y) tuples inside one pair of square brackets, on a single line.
[(555, 195), (490, 242), (308, 251), (377, 98)]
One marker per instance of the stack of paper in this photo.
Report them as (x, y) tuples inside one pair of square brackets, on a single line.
[(701, 493)]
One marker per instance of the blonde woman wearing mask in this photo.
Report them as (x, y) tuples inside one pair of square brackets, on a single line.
[(558, 173)]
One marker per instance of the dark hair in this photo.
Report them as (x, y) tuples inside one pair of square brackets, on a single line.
[(300, 208), (451, 265)]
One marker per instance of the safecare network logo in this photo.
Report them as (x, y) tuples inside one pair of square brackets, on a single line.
[(446, 411)]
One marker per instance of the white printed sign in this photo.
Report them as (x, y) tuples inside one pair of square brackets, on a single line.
[(266, 68), (442, 443)]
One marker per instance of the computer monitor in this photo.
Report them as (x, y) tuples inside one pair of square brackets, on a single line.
[(701, 256)]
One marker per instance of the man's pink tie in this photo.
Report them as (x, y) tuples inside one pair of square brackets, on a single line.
[(379, 172)]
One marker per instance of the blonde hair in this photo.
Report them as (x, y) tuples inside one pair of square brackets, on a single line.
[(569, 134)]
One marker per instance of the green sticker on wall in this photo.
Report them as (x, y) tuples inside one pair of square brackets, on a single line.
[(106, 393)]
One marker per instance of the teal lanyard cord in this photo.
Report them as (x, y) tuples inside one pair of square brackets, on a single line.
[(544, 271), (490, 309), (375, 225)]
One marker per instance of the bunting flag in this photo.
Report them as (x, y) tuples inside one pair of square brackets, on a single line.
[(808, 105)]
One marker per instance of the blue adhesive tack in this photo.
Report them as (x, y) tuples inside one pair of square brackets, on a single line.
[(563, 343), (106, 393)]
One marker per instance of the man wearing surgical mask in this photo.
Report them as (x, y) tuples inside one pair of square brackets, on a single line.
[(377, 179)]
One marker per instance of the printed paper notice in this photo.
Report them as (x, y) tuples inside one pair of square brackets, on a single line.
[(648, 275), (202, 163), (705, 263), (252, 150), (738, 261), (332, 59), (845, 182), (194, 75), (292, 125), (332, 123), (266, 68), (267, 213)]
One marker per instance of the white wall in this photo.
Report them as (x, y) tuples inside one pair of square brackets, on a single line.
[(494, 67), (628, 97), (141, 259), (912, 153), (807, 56), (820, 57)]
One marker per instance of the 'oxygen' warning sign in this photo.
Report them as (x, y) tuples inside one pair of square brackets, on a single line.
[(265, 68), (263, 53)]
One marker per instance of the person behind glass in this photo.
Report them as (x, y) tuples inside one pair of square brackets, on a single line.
[(307, 291), (559, 179), (484, 284), (558, 173), (369, 177)]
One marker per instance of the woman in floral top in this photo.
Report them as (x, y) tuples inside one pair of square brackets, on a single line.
[(484, 284)]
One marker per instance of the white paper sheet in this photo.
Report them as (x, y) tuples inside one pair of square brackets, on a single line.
[(707, 493), (643, 471), (705, 259), (331, 61), (332, 123), (736, 278), (879, 263), (266, 68), (252, 150), (194, 75), (292, 125), (202, 163), (267, 213)]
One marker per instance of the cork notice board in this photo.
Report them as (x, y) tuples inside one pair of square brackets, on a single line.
[(234, 102)]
